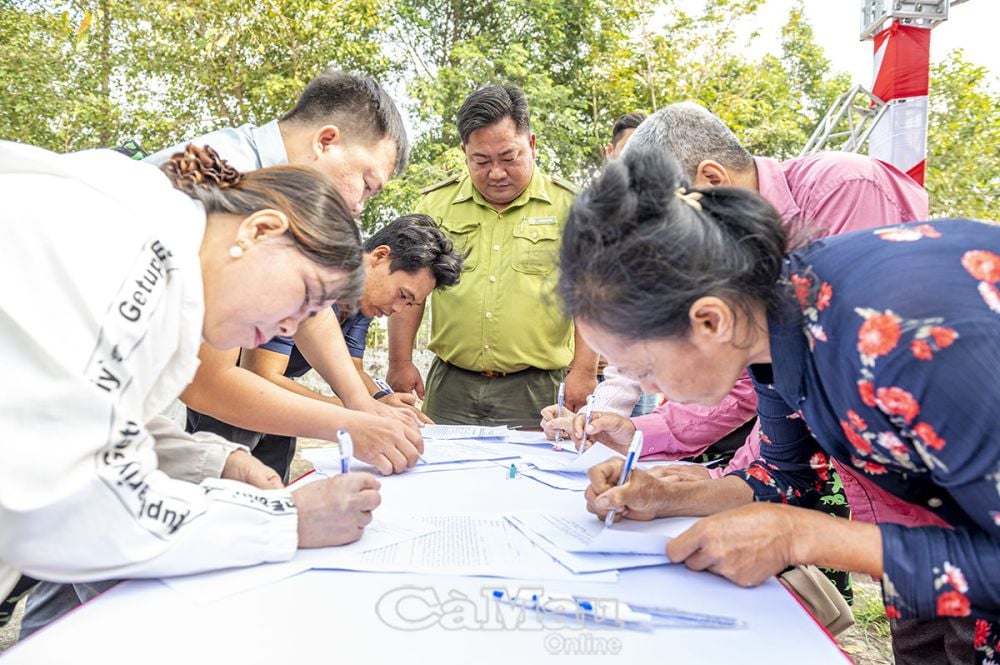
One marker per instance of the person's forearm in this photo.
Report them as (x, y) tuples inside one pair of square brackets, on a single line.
[(584, 358), (705, 497), (240, 397), (370, 385), (296, 387), (823, 540), (402, 332), (322, 344)]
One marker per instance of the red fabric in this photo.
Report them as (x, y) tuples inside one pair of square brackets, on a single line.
[(905, 68), (917, 172)]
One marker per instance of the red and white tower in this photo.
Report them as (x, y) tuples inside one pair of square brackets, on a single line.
[(901, 31)]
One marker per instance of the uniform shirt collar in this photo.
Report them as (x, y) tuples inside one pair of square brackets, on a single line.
[(537, 189), (270, 146), (773, 187)]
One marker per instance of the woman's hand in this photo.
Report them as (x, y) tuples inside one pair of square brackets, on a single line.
[(746, 545), (641, 498)]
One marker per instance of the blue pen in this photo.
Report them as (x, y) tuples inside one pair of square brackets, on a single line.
[(630, 459), (346, 449), (560, 400), (382, 385), (590, 411), (610, 611)]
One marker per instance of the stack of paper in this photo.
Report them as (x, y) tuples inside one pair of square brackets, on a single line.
[(464, 432), (565, 469), (442, 455), (466, 544), (528, 438)]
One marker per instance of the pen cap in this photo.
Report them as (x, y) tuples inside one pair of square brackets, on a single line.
[(345, 442), (635, 447)]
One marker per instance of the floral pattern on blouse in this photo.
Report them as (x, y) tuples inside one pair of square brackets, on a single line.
[(904, 385)]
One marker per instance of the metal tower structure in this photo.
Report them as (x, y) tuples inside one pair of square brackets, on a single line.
[(891, 117)]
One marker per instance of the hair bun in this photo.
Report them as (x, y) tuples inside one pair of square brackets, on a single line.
[(201, 168)]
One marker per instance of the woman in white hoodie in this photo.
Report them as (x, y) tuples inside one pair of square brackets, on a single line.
[(112, 275)]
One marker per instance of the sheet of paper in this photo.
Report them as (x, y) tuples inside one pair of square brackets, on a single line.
[(326, 460), (574, 482), (450, 466), (450, 453), (380, 533), (572, 462), (582, 532), (447, 451), (463, 432), (582, 563), (468, 544), (528, 438)]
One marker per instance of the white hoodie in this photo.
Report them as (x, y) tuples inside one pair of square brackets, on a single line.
[(101, 309)]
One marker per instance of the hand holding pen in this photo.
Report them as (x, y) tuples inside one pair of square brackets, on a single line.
[(346, 449), (560, 402), (590, 413), (639, 496), (630, 459)]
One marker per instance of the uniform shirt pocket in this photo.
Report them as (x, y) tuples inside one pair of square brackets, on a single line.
[(465, 234), (536, 247)]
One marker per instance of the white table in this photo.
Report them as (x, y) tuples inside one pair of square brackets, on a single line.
[(333, 616)]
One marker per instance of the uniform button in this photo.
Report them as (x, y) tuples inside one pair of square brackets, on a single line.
[(934, 502), (493, 278), (489, 315), (486, 348), (534, 234), (496, 248)]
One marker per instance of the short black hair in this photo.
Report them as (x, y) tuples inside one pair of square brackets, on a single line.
[(640, 247), (356, 103), (415, 242), (490, 105), (627, 121)]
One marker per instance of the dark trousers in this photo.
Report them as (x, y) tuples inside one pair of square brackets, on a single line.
[(459, 397), (933, 641), (273, 450)]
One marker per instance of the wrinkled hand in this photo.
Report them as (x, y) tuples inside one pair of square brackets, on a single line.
[(244, 467), (746, 545), (335, 511), (642, 497), (579, 385), (390, 445), (406, 402), (611, 429), (404, 377), (549, 415), (680, 472)]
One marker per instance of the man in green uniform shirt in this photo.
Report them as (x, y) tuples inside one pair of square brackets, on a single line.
[(502, 343)]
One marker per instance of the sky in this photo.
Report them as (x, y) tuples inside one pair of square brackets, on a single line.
[(971, 25)]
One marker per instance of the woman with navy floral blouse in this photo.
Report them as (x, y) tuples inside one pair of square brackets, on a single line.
[(878, 348)]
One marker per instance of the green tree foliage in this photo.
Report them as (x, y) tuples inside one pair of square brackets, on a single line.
[(76, 74), (88, 73), (963, 141)]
